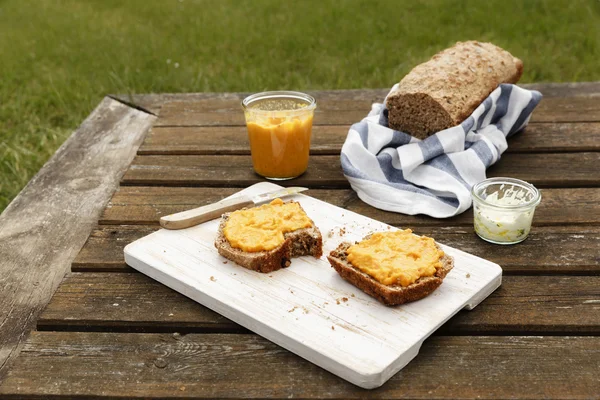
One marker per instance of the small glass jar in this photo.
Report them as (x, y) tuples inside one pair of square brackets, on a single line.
[(503, 209), (279, 129)]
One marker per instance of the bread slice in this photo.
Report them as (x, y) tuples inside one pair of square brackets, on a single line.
[(445, 90), (301, 242), (388, 295)]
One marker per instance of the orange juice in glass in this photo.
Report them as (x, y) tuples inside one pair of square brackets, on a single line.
[(279, 128)]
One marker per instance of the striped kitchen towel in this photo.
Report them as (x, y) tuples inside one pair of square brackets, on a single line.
[(393, 171)]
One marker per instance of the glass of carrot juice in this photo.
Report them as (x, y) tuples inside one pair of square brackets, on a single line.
[(279, 128)]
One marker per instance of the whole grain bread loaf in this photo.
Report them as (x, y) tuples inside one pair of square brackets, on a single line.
[(298, 243), (388, 295), (445, 90)]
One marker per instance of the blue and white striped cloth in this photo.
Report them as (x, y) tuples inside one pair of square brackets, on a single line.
[(393, 171)]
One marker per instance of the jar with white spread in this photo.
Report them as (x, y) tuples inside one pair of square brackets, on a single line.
[(503, 209)]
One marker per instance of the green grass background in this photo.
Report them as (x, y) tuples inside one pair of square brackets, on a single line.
[(59, 58)]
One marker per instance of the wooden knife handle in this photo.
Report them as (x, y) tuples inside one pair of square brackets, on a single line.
[(196, 216)]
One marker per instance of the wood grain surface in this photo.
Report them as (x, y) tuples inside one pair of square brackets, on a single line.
[(134, 302), (226, 140), (43, 228), (212, 366), (344, 112), (548, 250), (544, 170)]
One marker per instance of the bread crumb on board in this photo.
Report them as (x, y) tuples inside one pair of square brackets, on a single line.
[(340, 300), (336, 231), (293, 309), (332, 328), (468, 275), (212, 278)]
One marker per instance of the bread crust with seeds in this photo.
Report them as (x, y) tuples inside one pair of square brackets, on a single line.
[(445, 90), (388, 295)]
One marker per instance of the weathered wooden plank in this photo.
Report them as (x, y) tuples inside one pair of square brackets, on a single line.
[(154, 102), (146, 204), (247, 366), (228, 140), (544, 170), (548, 250), (227, 112), (179, 114), (134, 302), (570, 89), (42, 230), (103, 250), (540, 137), (570, 109), (541, 305)]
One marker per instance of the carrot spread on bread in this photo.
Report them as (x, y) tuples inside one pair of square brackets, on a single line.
[(398, 257), (262, 228), (393, 267), (267, 237)]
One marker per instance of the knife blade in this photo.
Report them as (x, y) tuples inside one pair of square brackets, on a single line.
[(195, 216)]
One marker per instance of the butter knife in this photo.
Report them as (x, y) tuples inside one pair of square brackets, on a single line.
[(196, 216)]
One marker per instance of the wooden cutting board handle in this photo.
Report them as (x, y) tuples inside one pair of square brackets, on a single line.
[(195, 216)]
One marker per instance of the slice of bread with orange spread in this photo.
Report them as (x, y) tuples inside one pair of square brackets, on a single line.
[(267, 237), (394, 267)]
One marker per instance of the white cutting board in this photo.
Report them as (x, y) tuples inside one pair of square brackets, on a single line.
[(307, 308)]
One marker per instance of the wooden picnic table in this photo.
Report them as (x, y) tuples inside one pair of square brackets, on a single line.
[(106, 331)]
